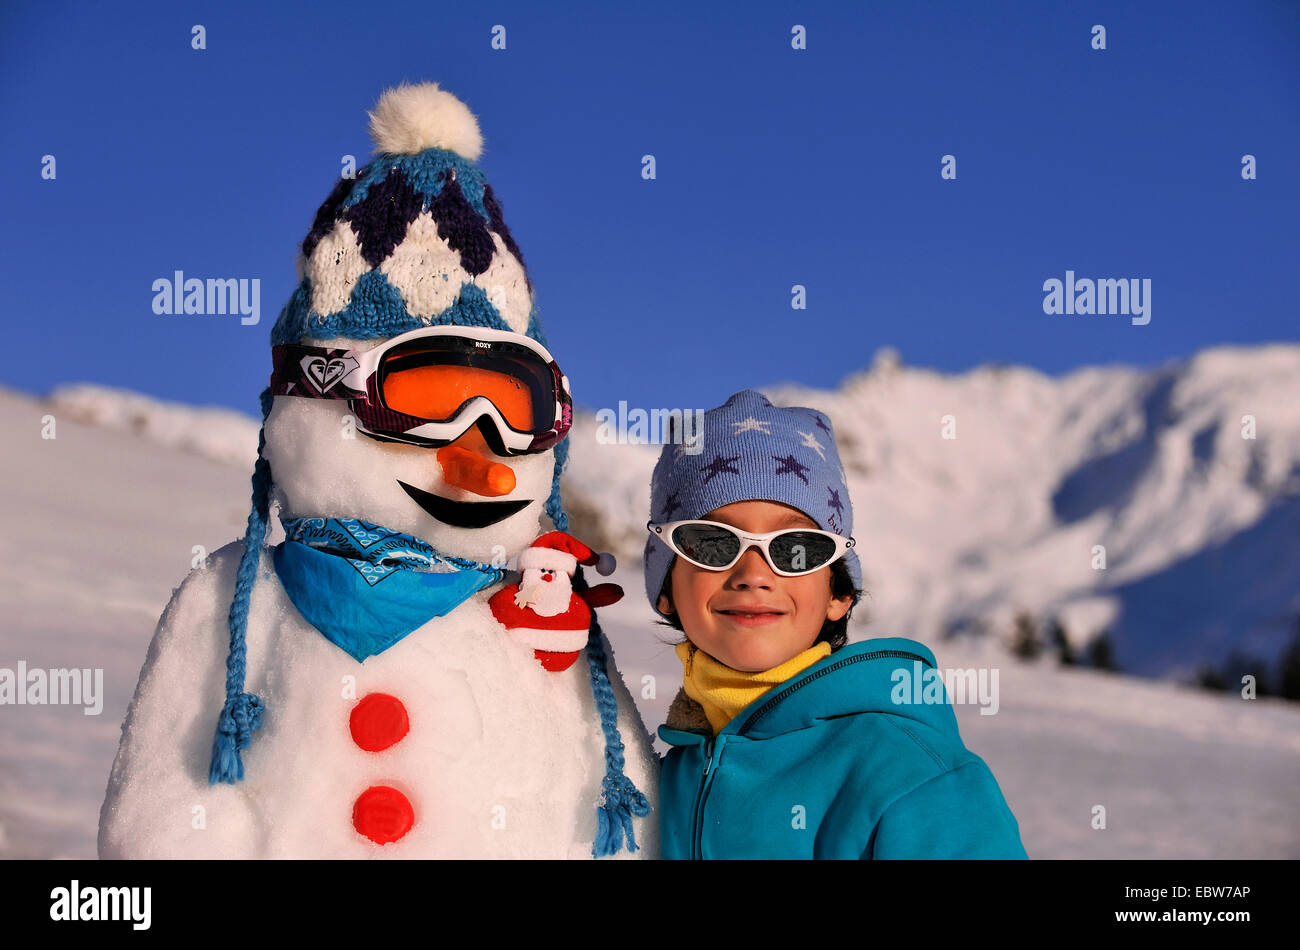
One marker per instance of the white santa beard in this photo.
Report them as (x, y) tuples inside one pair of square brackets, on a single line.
[(503, 759), (318, 473), (552, 597)]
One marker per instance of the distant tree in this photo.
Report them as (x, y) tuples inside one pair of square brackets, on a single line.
[(1060, 641), (1208, 678), (963, 626), (1101, 653), (1024, 637), (1288, 671)]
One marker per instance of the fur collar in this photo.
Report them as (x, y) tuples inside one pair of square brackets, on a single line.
[(688, 715)]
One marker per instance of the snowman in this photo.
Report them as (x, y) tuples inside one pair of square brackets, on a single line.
[(349, 692)]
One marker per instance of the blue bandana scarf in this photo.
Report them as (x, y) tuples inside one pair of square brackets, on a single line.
[(365, 587)]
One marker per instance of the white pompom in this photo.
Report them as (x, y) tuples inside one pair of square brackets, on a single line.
[(410, 118), (605, 564)]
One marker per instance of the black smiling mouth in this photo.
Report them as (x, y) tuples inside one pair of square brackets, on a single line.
[(463, 514)]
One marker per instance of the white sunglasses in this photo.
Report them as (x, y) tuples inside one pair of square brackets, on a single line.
[(713, 546)]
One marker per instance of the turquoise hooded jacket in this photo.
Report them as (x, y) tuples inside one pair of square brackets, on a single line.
[(827, 765)]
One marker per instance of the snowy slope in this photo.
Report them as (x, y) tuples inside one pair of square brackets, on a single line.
[(221, 434), (104, 519), (101, 527)]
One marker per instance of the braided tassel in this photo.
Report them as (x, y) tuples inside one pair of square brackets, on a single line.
[(241, 714), (622, 799)]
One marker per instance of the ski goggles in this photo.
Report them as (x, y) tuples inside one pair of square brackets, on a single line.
[(427, 387), (716, 547)]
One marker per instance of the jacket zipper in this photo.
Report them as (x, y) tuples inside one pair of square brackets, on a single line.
[(697, 832), (697, 818)]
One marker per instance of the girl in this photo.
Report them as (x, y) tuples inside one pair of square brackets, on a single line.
[(788, 743)]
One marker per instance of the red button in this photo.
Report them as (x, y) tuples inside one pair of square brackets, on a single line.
[(379, 721), (382, 814)]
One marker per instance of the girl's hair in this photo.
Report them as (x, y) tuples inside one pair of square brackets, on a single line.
[(834, 632)]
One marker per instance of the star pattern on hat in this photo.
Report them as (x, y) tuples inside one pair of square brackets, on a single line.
[(791, 465), (750, 424), (835, 520), (719, 465), (671, 504), (811, 442), (835, 502), (825, 428)]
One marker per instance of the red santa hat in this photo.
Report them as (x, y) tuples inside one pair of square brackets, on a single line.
[(561, 551)]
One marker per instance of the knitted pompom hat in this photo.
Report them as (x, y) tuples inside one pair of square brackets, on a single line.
[(750, 450), (416, 238)]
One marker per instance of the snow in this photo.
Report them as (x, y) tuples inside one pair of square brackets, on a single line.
[(1198, 524), (221, 434)]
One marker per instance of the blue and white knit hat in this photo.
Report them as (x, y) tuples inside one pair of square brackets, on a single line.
[(750, 450), (416, 238)]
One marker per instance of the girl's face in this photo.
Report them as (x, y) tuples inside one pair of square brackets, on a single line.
[(717, 608)]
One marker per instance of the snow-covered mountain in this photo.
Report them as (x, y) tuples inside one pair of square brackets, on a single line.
[(1187, 475), (1159, 506)]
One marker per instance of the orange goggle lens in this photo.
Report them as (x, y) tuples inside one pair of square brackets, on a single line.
[(437, 392)]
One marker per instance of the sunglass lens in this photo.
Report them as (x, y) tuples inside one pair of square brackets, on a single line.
[(705, 545), (799, 551)]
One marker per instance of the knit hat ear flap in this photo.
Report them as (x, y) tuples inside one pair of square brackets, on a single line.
[(621, 799), (241, 715), (554, 505)]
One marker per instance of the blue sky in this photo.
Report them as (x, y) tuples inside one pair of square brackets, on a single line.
[(775, 167)]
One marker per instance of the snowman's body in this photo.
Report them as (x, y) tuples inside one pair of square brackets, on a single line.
[(502, 758)]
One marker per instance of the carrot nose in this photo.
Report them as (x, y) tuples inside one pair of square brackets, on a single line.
[(467, 469)]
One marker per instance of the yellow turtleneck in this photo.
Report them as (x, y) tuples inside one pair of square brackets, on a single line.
[(723, 692)]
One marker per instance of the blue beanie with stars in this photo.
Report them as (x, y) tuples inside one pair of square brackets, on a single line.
[(749, 450), (415, 238)]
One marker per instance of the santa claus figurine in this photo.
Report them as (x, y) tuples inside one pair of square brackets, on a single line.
[(543, 610)]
